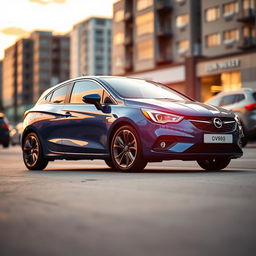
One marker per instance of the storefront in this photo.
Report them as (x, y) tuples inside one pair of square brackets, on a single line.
[(225, 74)]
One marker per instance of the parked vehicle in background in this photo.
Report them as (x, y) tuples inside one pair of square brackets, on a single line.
[(15, 134), (128, 123), (4, 131), (241, 102)]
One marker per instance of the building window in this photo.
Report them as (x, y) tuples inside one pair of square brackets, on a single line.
[(119, 38), (142, 4), (231, 35), (145, 23), (212, 14), (119, 15), (182, 20), (213, 40), (145, 49), (230, 8), (248, 4), (182, 46)]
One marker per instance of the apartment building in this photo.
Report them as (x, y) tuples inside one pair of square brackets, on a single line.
[(1, 81), (90, 51), (30, 66), (154, 38), (179, 43), (228, 46)]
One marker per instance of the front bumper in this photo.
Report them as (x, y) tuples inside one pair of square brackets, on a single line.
[(185, 141)]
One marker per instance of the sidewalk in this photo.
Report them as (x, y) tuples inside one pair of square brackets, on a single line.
[(251, 144)]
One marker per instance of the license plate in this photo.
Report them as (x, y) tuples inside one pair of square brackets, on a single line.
[(218, 138)]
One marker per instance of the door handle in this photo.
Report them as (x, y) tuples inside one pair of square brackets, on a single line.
[(67, 114)]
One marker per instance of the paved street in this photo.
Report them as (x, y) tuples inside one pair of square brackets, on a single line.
[(83, 208)]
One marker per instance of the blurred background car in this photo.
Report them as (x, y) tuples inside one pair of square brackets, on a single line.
[(243, 103), (4, 131), (15, 134)]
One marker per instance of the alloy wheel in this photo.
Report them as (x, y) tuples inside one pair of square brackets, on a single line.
[(125, 148), (31, 150)]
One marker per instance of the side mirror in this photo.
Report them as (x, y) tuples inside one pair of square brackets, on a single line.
[(93, 99)]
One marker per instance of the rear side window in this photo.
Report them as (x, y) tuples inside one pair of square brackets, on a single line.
[(227, 100), (232, 99), (59, 95), (254, 96), (83, 88)]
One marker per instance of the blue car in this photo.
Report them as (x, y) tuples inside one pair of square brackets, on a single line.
[(128, 123)]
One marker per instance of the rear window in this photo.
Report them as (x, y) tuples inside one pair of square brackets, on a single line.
[(232, 99)]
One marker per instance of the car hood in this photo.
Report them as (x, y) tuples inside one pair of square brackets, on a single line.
[(185, 108)]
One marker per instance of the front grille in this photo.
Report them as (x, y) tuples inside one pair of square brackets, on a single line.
[(229, 125), (214, 148)]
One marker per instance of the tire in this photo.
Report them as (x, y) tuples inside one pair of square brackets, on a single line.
[(6, 145), (33, 153), (214, 163), (126, 150), (109, 163)]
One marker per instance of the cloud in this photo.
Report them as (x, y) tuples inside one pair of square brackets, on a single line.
[(13, 31), (45, 2)]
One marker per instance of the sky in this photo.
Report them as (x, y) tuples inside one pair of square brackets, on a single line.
[(19, 17)]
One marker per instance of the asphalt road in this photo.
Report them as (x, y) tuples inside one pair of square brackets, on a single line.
[(83, 208)]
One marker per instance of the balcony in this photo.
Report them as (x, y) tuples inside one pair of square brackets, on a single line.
[(128, 39), (180, 2), (128, 15), (247, 43), (128, 65), (163, 5), (163, 58), (163, 32), (246, 15)]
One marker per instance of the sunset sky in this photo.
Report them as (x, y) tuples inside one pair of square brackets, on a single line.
[(19, 17)]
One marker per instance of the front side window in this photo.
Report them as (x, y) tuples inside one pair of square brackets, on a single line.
[(213, 40), (83, 88), (145, 23), (59, 95), (212, 14)]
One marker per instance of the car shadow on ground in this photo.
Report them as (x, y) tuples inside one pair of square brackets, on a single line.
[(145, 171)]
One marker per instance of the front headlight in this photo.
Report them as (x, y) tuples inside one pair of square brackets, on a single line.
[(161, 117)]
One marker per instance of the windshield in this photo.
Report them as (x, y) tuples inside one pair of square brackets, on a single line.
[(141, 89)]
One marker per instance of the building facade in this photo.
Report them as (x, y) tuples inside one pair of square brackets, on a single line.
[(90, 51), (1, 81), (30, 66), (178, 42)]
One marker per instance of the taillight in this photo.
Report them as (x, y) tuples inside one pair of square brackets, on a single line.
[(251, 106), (5, 126)]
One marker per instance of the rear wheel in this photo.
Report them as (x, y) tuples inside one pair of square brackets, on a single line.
[(214, 163), (6, 145), (33, 153), (126, 150)]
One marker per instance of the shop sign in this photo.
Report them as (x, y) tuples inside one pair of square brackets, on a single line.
[(233, 63)]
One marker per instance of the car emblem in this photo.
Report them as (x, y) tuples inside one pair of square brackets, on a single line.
[(217, 122)]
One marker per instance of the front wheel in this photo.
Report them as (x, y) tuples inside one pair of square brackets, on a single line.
[(214, 163), (33, 153), (126, 150)]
